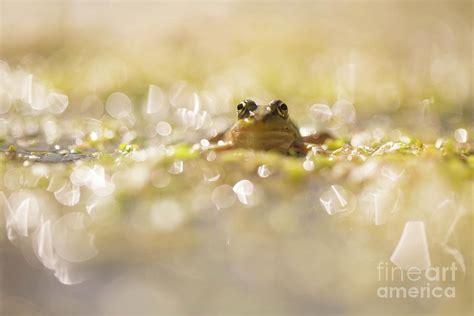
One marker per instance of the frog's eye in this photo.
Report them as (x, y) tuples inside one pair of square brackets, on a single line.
[(245, 107), (282, 110), (242, 110)]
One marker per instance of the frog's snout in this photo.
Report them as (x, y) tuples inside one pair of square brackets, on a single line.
[(264, 113)]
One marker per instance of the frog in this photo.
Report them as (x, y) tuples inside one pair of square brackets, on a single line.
[(266, 128)]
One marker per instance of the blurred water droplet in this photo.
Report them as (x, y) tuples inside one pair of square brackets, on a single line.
[(71, 237), (43, 245), (211, 174), (176, 167), (196, 103), (337, 200), (23, 213), (57, 102), (264, 171), (155, 99), (39, 97), (65, 274), (223, 196), (51, 131), (163, 128), (68, 195), (405, 139), (4, 70), (211, 156), (456, 254), (361, 139), (134, 178), (56, 182), (13, 179), (93, 136), (308, 165), (103, 211), (392, 173), (204, 143), (180, 95), (343, 112), (320, 113), (412, 248), (461, 135), (439, 143), (378, 134), (96, 178), (166, 215), (5, 101), (365, 171), (380, 204), (40, 170), (139, 155), (118, 105), (190, 119), (307, 130), (27, 89), (243, 189), (106, 190), (80, 175), (92, 106)]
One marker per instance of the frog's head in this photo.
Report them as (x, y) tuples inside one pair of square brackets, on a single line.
[(264, 126), (276, 112)]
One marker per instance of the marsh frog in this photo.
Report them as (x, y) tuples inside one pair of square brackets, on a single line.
[(266, 127)]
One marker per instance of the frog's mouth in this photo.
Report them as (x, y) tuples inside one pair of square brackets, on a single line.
[(268, 126), (264, 123)]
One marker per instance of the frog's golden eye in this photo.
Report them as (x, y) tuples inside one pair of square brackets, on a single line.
[(245, 107), (282, 109), (242, 111)]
